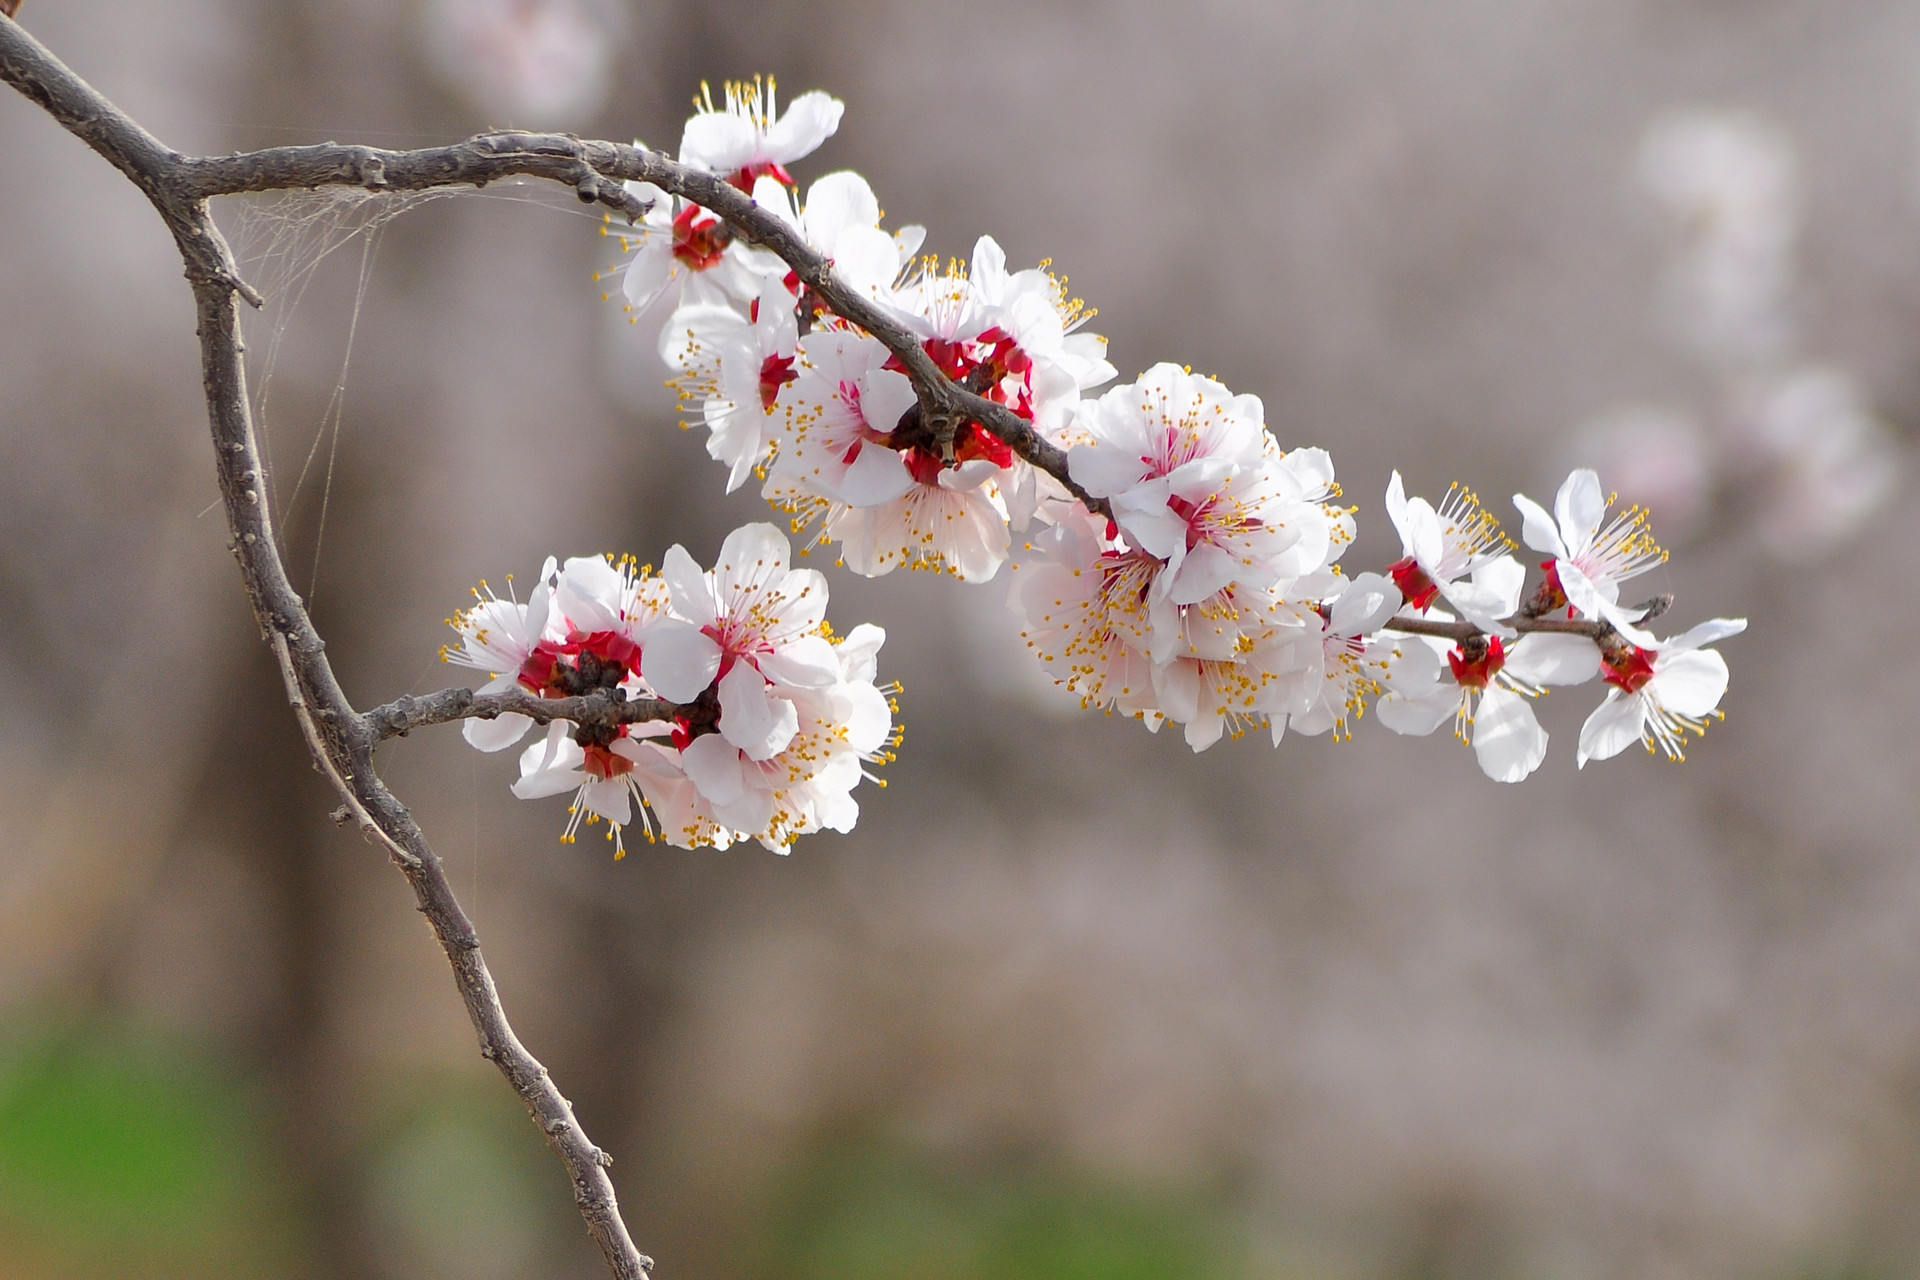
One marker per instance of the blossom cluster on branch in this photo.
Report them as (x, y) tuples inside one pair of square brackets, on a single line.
[(1180, 565)]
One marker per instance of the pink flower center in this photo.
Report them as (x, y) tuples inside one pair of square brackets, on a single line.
[(775, 373)]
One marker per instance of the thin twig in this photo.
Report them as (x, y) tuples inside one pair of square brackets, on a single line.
[(339, 739), (1597, 630), (596, 710)]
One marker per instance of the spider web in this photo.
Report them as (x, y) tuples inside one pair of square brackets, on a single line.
[(281, 242)]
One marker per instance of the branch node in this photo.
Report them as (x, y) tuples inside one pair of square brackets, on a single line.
[(341, 816)]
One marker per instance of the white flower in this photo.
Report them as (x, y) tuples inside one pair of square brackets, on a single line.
[(749, 138), (1345, 663), (950, 519), (808, 784), (1082, 603), (1484, 691), (1659, 692), (841, 412), (752, 622), (601, 778), (734, 369), (683, 252), (1456, 552), (505, 639), (1592, 556)]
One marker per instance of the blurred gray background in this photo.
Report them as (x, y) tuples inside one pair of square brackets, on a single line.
[(1071, 1002)]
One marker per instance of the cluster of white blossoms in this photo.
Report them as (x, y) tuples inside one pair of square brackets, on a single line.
[(772, 721), (1180, 567)]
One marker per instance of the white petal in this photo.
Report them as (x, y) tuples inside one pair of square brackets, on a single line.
[(751, 719), (1419, 715), (1205, 570), (687, 585), (878, 475), (1580, 506), (836, 202), (608, 797), (1612, 728), (1508, 740), (678, 660), (808, 121), (806, 662), (1691, 682), (1706, 633), (497, 734), (1537, 529), (1397, 511), (1546, 657), (713, 765)]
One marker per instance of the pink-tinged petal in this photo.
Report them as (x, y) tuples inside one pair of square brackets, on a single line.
[(1537, 529), (1580, 506), (688, 587), (1507, 739), (678, 660), (1691, 682), (808, 121), (1419, 714), (1203, 571), (750, 718), (497, 734), (859, 653), (1104, 470), (1613, 727), (751, 811), (805, 662), (1176, 688), (1546, 657), (877, 476), (885, 397), (712, 764), (1708, 632), (1205, 731)]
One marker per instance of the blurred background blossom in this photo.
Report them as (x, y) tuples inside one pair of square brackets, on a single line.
[(1071, 1002)]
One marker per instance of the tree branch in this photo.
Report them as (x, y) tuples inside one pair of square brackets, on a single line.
[(339, 739), (1599, 631), (596, 710)]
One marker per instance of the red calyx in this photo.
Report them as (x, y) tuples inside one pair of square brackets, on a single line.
[(976, 441), (602, 763), (1556, 595), (923, 463), (698, 244), (536, 674), (682, 733), (745, 178), (608, 646), (1627, 669), (1477, 672), (1413, 582)]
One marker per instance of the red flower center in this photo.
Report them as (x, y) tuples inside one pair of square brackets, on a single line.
[(603, 764)]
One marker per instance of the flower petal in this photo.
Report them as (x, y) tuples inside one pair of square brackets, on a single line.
[(497, 734), (678, 660), (1537, 529), (751, 718), (1546, 657), (1507, 739), (1612, 728)]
